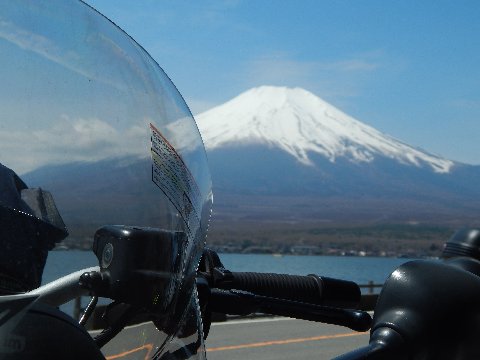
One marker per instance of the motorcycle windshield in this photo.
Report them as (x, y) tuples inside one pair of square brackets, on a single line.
[(94, 133)]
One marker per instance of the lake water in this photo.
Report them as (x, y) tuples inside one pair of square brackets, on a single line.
[(358, 269)]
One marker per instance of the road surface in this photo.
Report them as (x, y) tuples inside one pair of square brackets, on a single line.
[(260, 339), (280, 338)]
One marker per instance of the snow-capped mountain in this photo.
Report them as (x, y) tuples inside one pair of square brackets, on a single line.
[(284, 150), (300, 123)]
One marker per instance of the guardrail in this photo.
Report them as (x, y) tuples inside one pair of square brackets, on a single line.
[(370, 286), (369, 298)]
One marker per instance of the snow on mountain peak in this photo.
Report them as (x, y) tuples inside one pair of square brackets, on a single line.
[(300, 123)]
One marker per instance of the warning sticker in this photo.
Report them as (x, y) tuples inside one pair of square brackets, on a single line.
[(172, 176)]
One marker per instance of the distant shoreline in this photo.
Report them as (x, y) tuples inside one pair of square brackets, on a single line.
[(377, 240)]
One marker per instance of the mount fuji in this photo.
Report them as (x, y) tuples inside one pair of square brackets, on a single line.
[(298, 122), (277, 147)]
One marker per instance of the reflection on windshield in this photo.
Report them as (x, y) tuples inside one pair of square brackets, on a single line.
[(84, 100), (90, 120)]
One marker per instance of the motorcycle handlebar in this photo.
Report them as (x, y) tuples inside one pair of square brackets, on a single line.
[(311, 289)]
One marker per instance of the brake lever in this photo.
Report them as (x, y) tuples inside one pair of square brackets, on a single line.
[(244, 303)]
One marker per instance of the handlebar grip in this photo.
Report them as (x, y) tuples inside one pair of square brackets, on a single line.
[(311, 289)]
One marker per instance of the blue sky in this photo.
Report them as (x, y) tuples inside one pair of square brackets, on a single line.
[(408, 68)]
